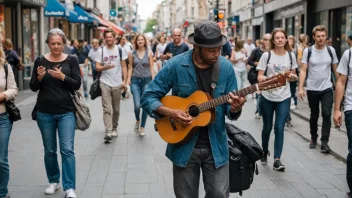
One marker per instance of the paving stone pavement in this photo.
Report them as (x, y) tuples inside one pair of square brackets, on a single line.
[(133, 166)]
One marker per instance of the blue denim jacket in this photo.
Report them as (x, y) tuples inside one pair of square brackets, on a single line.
[(179, 75)]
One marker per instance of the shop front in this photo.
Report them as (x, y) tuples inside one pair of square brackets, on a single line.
[(245, 24), (257, 22), (337, 17)]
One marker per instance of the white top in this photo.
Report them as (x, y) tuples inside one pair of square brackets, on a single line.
[(126, 47), (249, 48), (111, 77), (342, 69), (93, 53), (277, 64), (240, 66), (319, 68), (160, 48)]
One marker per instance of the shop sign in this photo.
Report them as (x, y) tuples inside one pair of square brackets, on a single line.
[(292, 11), (83, 18)]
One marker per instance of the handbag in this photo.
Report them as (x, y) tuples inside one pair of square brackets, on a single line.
[(83, 118), (11, 108), (95, 90)]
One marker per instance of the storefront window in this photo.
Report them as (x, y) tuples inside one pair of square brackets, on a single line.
[(290, 28), (347, 28), (30, 38), (323, 18)]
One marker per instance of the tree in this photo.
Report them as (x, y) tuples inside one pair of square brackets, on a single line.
[(150, 24)]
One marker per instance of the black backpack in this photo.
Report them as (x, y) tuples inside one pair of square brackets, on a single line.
[(244, 151)]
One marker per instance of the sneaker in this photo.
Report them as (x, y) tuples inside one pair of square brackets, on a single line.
[(141, 132), (264, 159), (107, 138), (325, 148), (114, 133), (312, 144), (293, 107), (52, 188), (288, 124), (257, 116), (70, 193), (278, 166), (136, 127), (86, 95)]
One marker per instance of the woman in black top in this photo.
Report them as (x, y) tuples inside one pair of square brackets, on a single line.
[(56, 74)]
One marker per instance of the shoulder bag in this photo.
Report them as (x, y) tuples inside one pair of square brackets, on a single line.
[(11, 108)]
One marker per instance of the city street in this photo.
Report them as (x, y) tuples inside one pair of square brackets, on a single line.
[(132, 166)]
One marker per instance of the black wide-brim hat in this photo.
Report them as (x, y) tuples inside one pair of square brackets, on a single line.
[(207, 34)]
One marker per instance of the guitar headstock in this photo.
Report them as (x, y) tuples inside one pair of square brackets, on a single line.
[(278, 80)]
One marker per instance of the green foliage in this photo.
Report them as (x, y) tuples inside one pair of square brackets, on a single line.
[(150, 24)]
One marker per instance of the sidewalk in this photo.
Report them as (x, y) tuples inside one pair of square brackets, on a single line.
[(338, 139)]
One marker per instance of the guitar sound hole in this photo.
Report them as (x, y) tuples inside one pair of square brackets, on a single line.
[(193, 111)]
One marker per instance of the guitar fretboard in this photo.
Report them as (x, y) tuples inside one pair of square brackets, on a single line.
[(223, 99)]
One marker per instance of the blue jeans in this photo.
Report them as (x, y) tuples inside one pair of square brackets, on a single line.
[(348, 121), (138, 86), (65, 124), (241, 78), (5, 131), (281, 110)]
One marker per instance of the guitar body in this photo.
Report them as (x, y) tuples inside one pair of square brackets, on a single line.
[(172, 131)]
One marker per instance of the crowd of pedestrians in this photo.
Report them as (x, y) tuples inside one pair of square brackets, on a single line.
[(126, 67)]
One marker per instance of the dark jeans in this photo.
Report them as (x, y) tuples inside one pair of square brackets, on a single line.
[(65, 125), (326, 98), (348, 121), (94, 71), (186, 180), (281, 110), (138, 86), (257, 97), (293, 86), (5, 131)]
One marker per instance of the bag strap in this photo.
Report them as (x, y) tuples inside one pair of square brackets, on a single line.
[(120, 52), (215, 72), (349, 61), (290, 55), (102, 56), (267, 62), (6, 74), (330, 53)]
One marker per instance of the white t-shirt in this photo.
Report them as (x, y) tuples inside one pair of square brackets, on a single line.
[(160, 48), (126, 47), (319, 68), (240, 66), (93, 53), (249, 48), (111, 77), (277, 64), (342, 69)]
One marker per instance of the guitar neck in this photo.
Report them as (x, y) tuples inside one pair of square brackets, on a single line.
[(223, 99)]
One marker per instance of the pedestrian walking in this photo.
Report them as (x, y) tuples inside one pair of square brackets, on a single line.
[(345, 79), (123, 45), (239, 62), (249, 46), (141, 73), (293, 85), (12, 58), (278, 59), (55, 75), (92, 55), (319, 62), (8, 91), (112, 67), (159, 51), (175, 47), (81, 52), (181, 74), (253, 61)]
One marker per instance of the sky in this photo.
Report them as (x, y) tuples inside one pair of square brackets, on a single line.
[(146, 7)]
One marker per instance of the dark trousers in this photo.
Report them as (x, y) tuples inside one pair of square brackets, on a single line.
[(326, 99), (348, 121), (186, 180)]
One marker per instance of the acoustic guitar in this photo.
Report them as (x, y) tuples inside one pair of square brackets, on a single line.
[(201, 107)]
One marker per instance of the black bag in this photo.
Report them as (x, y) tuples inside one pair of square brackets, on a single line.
[(244, 151), (95, 90), (11, 108), (245, 142), (252, 75)]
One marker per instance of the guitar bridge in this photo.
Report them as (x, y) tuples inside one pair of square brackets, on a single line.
[(173, 124)]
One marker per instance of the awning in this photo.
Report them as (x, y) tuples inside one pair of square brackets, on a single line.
[(82, 16), (117, 29), (101, 21), (54, 8)]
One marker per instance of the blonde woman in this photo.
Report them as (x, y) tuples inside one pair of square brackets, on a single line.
[(5, 122), (239, 60), (140, 74), (278, 59)]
